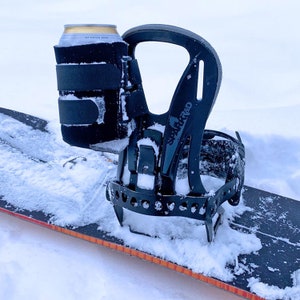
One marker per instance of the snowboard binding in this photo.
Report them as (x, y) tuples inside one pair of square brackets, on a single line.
[(160, 171)]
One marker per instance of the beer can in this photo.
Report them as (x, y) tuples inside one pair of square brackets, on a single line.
[(89, 78), (83, 34)]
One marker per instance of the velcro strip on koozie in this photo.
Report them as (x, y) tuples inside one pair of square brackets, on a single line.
[(88, 77), (78, 112)]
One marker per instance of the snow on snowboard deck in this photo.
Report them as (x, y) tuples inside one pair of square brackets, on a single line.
[(272, 218)]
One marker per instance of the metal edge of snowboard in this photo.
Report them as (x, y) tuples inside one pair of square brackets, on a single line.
[(114, 245)]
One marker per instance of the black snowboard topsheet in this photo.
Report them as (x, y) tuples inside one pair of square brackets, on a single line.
[(273, 218), (34, 122), (275, 221)]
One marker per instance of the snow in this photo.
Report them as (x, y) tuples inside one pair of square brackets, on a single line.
[(274, 292), (258, 44)]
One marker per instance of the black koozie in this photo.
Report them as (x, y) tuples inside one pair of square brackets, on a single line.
[(89, 81)]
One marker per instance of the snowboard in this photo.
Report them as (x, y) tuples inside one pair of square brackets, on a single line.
[(268, 220)]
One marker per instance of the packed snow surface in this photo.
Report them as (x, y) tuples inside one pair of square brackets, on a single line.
[(258, 44)]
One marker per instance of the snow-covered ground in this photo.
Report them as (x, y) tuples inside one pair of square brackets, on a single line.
[(258, 44)]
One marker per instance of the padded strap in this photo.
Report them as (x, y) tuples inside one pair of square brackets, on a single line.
[(88, 77)]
